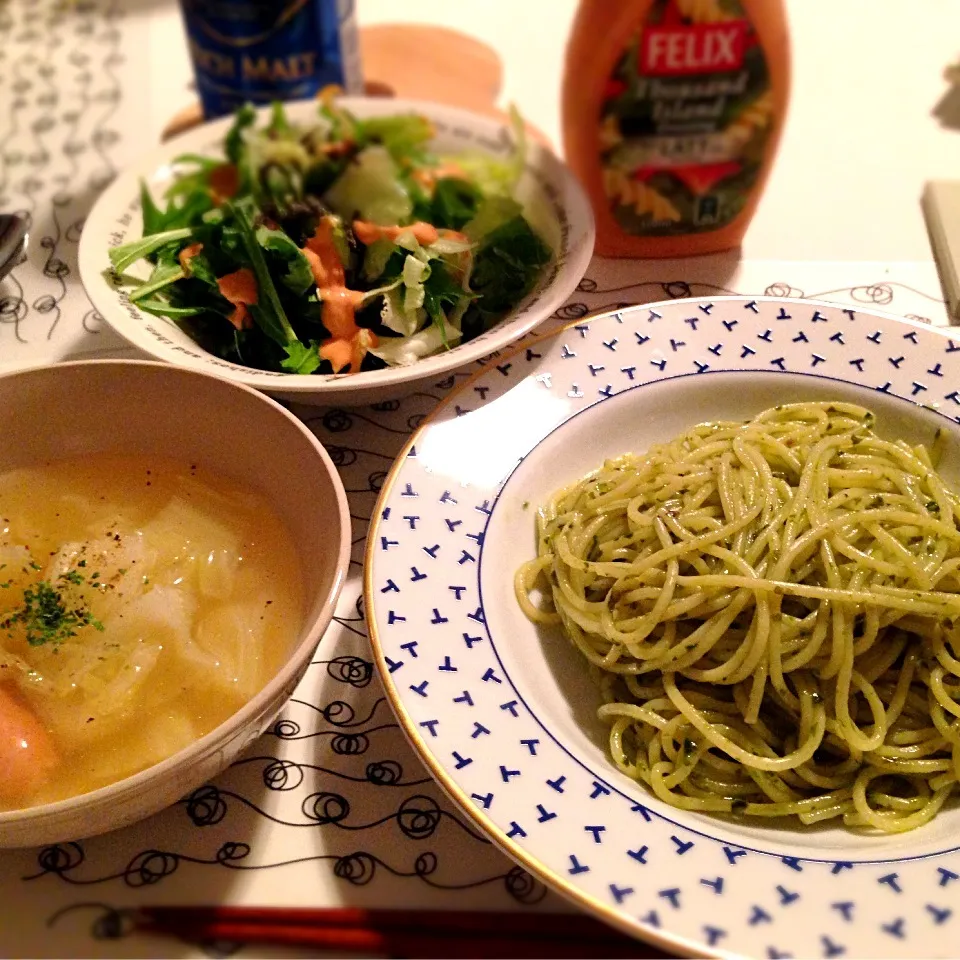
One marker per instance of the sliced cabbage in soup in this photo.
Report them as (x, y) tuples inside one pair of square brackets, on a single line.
[(142, 602)]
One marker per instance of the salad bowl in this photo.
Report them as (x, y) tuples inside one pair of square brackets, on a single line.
[(549, 197)]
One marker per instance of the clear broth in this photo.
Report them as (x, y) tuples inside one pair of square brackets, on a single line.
[(180, 596)]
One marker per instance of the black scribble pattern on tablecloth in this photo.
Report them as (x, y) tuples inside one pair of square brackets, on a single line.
[(334, 769), (880, 294), (417, 816), (333, 782), (361, 764), (382, 773), (341, 713), (355, 671), (60, 145), (151, 867)]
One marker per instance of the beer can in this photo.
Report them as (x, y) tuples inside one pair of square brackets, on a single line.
[(258, 51)]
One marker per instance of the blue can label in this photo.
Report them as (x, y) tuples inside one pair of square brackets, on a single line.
[(264, 50)]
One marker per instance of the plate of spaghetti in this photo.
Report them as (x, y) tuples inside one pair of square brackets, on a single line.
[(669, 603)]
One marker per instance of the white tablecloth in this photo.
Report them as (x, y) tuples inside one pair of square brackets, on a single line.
[(332, 806)]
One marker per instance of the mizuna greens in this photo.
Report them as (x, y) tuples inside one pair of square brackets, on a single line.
[(338, 246)]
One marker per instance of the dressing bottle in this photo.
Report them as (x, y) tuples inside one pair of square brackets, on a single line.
[(672, 112)]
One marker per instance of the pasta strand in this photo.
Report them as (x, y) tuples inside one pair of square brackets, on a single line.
[(772, 611)]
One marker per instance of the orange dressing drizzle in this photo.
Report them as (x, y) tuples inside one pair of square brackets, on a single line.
[(240, 288), (187, 254), (347, 343), (423, 233), (224, 183)]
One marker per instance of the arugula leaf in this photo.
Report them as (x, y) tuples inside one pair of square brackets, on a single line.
[(233, 144), (279, 126), (232, 246), (298, 276), (154, 220), (301, 358), (268, 312), (319, 177), (421, 199), (129, 253), (160, 308), (163, 275), (442, 295), (190, 213), (282, 185), (199, 160), (202, 269), (455, 202), (188, 186), (195, 206)]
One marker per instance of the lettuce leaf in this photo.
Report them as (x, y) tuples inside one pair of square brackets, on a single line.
[(495, 176), (415, 273), (393, 317), (371, 189), (405, 136), (376, 257), (402, 351), (402, 310)]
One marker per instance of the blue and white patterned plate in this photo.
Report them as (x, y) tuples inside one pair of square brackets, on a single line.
[(502, 712)]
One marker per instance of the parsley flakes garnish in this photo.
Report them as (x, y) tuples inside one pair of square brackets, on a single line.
[(48, 616)]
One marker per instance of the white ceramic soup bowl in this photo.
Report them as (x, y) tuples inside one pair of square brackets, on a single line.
[(144, 407)]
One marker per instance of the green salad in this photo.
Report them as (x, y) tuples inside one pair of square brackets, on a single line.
[(340, 245)]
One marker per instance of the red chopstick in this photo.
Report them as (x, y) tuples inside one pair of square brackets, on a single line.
[(523, 923), (399, 933)]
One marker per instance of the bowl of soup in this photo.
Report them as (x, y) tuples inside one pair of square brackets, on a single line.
[(172, 546)]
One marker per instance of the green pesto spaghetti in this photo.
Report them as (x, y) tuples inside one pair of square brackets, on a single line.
[(772, 610)]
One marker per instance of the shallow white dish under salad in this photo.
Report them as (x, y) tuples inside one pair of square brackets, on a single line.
[(505, 719), (553, 203)]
